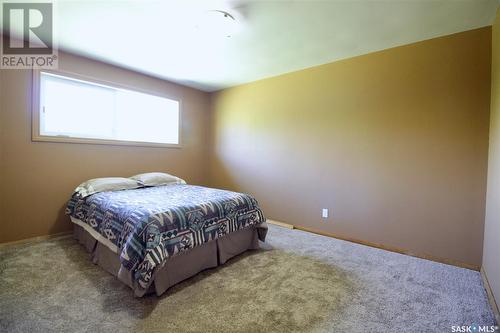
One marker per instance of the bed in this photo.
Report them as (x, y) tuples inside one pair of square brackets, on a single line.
[(152, 236)]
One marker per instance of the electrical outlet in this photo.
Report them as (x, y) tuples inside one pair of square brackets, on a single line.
[(325, 213)]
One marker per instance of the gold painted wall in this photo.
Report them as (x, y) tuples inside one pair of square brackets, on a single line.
[(37, 178), (491, 261), (394, 143)]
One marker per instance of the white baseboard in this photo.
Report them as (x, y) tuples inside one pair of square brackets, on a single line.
[(279, 223), (491, 296)]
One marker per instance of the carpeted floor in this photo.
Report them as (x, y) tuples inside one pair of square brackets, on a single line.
[(302, 283)]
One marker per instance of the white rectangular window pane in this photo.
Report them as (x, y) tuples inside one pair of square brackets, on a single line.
[(72, 108), (81, 109), (146, 118)]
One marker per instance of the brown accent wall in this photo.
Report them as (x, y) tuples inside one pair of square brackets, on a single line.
[(37, 178), (491, 257), (393, 143)]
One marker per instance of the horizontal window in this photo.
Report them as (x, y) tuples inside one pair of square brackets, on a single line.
[(76, 109)]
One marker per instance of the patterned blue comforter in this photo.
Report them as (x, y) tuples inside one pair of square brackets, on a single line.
[(151, 224)]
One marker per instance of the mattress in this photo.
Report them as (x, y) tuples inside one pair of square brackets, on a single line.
[(146, 226)]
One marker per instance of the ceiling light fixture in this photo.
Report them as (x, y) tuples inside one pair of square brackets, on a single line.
[(217, 23)]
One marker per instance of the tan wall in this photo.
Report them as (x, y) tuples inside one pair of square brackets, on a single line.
[(37, 178), (394, 143), (491, 260)]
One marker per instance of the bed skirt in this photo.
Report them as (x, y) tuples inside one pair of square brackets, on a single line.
[(179, 267)]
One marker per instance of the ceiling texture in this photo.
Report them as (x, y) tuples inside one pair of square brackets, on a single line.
[(165, 38)]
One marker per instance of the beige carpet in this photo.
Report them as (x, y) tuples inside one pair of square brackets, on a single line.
[(317, 285)]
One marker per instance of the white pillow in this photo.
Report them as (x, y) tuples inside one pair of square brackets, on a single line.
[(157, 179), (97, 185)]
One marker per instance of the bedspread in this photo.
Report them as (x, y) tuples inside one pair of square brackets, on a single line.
[(151, 224)]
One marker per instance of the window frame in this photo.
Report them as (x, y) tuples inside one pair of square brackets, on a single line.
[(36, 136)]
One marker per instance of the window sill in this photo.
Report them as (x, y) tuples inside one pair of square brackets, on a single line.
[(64, 139)]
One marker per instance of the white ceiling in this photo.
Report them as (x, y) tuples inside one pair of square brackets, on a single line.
[(159, 38)]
